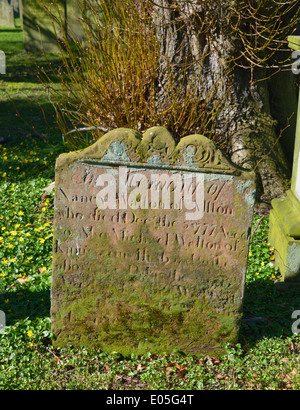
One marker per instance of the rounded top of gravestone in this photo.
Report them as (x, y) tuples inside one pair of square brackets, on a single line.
[(156, 147)]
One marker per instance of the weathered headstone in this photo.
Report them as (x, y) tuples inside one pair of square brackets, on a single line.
[(40, 30), (2, 62), (284, 233), (21, 12), (16, 6), (2, 321), (150, 244), (74, 13), (7, 18)]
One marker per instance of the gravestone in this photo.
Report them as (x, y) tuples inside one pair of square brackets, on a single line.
[(2, 321), (150, 244), (16, 6), (39, 31), (74, 13), (284, 233), (7, 19), (2, 62), (21, 12)]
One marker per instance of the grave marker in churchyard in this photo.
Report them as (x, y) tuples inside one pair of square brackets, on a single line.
[(2, 62), (16, 7), (21, 12), (2, 321), (39, 31), (74, 13), (7, 19), (150, 244), (285, 216)]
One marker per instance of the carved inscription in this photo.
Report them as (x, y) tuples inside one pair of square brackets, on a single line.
[(150, 244), (206, 241)]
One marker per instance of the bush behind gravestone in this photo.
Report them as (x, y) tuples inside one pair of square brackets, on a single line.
[(110, 80)]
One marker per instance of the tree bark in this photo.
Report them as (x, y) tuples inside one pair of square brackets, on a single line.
[(255, 107)]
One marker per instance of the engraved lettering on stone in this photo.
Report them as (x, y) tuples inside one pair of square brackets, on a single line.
[(134, 250)]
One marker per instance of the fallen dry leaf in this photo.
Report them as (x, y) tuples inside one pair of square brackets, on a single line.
[(221, 376), (58, 360), (288, 377), (22, 280), (180, 367), (181, 371), (140, 367), (169, 370), (106, 367)]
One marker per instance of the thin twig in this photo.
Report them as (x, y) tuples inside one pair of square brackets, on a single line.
[(104, 129), (253, 232)]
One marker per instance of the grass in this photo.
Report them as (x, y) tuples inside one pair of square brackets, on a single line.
[(21, 84), (266, 357)]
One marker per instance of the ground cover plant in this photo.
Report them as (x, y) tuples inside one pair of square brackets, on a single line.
[(21, 84), (266, 357)]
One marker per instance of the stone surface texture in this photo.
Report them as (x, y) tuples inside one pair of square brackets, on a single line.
[(7, 19), (40, 31), (284, 233), (147, 278)]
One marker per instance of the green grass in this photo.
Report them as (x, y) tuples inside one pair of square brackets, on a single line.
[(22, 94), (266, 357)]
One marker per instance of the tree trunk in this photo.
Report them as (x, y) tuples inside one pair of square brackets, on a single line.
[(255, 106)]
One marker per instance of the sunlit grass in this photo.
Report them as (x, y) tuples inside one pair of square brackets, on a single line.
[(267, 356), (29, 361)]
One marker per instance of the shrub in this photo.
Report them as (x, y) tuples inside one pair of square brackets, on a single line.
[(111, 78)]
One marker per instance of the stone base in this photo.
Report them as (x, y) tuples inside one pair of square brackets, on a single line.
[(284, 236)]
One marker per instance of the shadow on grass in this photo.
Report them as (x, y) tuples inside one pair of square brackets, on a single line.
[(267, 310), (23, 66), (21, 116), (30, 158), (10, 30), (25, 304)]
